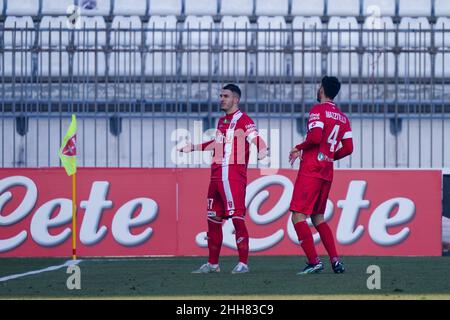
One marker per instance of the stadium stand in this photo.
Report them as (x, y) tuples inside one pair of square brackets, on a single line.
[(237, 8), (272, 7), (201, 7), (165, 7), (57, 8), (131, 8), (379, 8), (343, 8), (421, 8), (308, 8)]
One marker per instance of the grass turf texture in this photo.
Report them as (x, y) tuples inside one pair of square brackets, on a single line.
[(271, 277)]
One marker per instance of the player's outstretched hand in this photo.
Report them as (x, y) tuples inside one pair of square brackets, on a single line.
[(263, 153), (293, 155), (187, 148)]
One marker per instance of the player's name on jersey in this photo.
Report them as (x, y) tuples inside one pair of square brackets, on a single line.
[(335, 116)]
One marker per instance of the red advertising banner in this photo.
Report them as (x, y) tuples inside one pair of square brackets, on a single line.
[(141, 212)]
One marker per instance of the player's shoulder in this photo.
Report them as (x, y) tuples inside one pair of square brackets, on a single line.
[(245, 117)]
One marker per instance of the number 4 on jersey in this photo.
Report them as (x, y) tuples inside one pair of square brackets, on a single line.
[(332, 138)]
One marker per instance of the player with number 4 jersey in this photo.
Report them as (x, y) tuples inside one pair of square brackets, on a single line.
[(329, 138)]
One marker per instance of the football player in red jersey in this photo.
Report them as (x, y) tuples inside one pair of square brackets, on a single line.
[(329, 138), (226, 194)]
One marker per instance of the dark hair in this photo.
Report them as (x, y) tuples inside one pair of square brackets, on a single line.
[(233, 88), (331, 86)]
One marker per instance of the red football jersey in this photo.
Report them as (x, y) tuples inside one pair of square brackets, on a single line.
[(231, 146), (318, 161)]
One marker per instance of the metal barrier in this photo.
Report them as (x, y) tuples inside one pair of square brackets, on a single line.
[(138, 91)]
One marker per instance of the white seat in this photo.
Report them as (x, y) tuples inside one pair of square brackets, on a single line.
[(17, 63), (442, 69), (271, 42), (441, 38), (165, 7), (197, 63), (126, 31), (228, 37), (419, 8), (20, 34), (271, 34), (270, 62), (379, 8), (343, 64), (88, 63), (378, 64), (310, 35), (378, 32), (53, 31), (307, 64), (237, 8), (160, 63), (307, 8), (53, 64), (414, 65), (271, 7), (343, 8), (22, 8), (200, 33), (125, 63), (348, 34), (417, 32), (95, 8), (90, 32), (234, 64), (161, 31), (442, 8), (59, 7), (200, 7), (130, 7)]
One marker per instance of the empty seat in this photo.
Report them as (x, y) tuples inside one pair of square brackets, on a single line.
[(53, 63), (343, 8), (234, 59), (343, 64), (95, 7), (126, 31), (19, 32), (237, 8), (379, 8), (198, 31), (130, 7), (59, 7), (200, 7), (165, 7), (22, 8), (54, 31), (17, 63), (310, 31), (90, 32), (414, 32), (125, 62), (442, 8), (307, 8), (419, 8), (307, 64), (161, 38), (414, 65), (271, 7), (441, 65), (87, 62), (378, 32), (343, 32), (378, 63), (272, 40), (442, 38), (198, 39)]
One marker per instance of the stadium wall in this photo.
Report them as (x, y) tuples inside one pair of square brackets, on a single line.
[(143, 212)]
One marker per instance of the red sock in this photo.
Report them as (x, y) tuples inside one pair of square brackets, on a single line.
[(215, 237), (306, 241), (328, 241), (241, 239)]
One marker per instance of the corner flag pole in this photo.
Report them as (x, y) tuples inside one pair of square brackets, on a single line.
[(74, 217)]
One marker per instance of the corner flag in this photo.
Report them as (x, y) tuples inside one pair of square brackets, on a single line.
[(68, 151)]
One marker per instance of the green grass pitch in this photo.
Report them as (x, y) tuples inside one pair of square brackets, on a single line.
[(271, 277)]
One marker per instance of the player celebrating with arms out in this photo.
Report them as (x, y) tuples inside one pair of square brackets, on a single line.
[(328, 128), (226, 193)]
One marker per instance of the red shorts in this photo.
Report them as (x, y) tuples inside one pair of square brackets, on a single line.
[(226, 198), (310, 195)]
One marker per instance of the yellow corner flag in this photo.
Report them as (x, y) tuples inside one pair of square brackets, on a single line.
[(68, 156), (68, 151)]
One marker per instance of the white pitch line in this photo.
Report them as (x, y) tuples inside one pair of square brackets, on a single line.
[(52, 268)]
